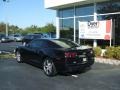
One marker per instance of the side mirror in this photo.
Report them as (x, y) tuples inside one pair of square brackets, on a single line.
[(27, 45)]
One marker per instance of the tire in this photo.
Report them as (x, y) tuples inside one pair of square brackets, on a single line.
[(18, 57), (49, 67)]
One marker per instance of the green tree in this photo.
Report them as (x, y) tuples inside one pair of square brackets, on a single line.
[(14, 29), (2, 27), (49, 28), (32, 29)]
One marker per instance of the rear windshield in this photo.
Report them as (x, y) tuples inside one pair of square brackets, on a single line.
[(65, 43)]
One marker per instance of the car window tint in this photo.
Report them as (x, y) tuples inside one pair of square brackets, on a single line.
[(43, 44), (34, 43), (52, 44), (38, 43), (48, 44), (65, 43)]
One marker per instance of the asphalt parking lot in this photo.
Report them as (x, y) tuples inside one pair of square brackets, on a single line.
[(9, 47), (24, 76)]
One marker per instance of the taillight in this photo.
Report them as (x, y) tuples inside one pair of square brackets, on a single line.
[(70, 54)]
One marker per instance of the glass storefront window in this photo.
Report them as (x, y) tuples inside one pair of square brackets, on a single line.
[(66, 13), (67, 19), (66, 28), (87, 10), (83, 41), (83, 19), (116, 24), (108, 7)]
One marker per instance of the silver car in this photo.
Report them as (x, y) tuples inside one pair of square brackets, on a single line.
[(16, 37)]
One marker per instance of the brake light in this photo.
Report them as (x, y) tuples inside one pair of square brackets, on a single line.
[(70, 54)]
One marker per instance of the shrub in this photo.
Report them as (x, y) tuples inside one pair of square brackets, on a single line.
[(109, 53), (117, 53), (97, 51)]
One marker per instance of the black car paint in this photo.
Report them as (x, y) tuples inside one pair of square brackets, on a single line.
[(38, 54), (26, 39)]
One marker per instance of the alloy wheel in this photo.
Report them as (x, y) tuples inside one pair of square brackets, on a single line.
[(49, 68), (18, 57)]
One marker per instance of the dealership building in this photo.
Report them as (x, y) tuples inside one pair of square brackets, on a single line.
[(70, 12)]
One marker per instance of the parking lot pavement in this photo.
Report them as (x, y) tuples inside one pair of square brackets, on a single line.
[(9, 47), (23, 76)]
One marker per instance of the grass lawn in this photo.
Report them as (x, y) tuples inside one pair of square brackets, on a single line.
[(7, 56)]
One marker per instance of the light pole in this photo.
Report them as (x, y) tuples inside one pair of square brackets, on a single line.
[(6, 31), (95, 19)]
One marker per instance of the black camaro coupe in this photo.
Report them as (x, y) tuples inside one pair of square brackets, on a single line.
[(56, 55)]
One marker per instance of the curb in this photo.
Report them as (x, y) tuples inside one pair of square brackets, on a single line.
[(108, 61), (4, 52)]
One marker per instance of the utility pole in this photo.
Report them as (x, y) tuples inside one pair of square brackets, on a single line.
[(95, 19), (6, 31)]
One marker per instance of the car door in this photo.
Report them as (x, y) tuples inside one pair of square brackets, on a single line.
[(31, 50), (37, 50), (34, 51), (27, 52)]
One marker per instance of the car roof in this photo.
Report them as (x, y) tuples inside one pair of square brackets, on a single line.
[(51, 39)]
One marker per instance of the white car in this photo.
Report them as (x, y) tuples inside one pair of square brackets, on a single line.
[(16, 37)]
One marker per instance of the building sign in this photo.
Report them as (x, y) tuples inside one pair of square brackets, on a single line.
[(95, 30)]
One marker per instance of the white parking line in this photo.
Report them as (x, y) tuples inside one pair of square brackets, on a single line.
[(74, 76)]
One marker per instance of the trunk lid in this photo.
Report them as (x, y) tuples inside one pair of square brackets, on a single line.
[(78, 55)]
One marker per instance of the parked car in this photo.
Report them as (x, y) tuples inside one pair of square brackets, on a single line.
[(56, 55), (5, 39), (26, 39), (1, 36), (48, 35), (16, 37)]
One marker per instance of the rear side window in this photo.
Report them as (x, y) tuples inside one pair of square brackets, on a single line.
[(36, 43), (44, 44)]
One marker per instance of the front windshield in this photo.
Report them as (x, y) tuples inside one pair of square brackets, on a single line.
[(65, 43)]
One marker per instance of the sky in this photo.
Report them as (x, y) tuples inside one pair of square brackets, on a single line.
[(25, 13)]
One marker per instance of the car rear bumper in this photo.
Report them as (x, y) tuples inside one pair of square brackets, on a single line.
[(65, 67), (79, 67)]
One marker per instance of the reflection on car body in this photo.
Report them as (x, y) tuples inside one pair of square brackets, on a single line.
[(26, 39), (56, 55)]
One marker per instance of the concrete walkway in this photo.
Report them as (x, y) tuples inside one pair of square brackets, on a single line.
[(108, 61)]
